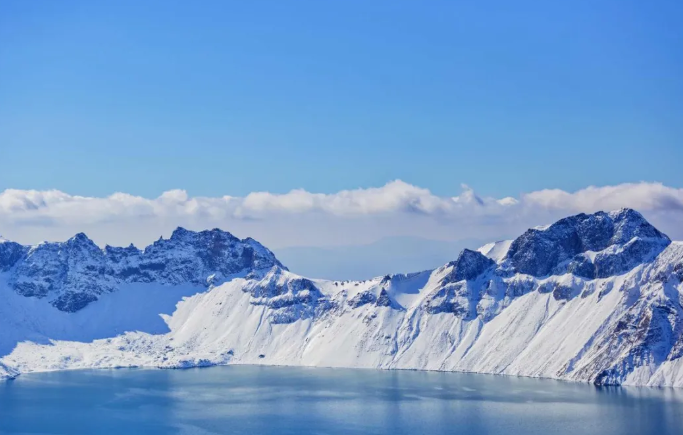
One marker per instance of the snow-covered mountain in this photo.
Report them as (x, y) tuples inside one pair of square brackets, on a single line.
[(593, 298), (73, 274)]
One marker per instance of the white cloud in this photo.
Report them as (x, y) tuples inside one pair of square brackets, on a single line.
[(395, 196), (303, 218)]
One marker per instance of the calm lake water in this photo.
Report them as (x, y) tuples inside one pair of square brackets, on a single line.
[(282, 400)]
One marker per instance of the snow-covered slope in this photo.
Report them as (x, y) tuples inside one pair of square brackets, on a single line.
[(593, 298), (496, 250)]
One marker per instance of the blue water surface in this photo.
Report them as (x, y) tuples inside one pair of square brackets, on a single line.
[(286, 400)]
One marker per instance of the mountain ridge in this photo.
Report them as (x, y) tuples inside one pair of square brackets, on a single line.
[(609, 284), (76, 272)]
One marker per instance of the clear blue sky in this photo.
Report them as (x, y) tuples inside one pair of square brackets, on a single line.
[(228, 97)]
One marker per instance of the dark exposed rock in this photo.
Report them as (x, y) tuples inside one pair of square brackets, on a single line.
[(563, 292), (362, 298), (10, 253), (633, 253), (77, 271), (72, 301), (469, 265), (605, 288), (622, 239), (678, 271), (453, 298), (546, 287), (519, 287), (383, 300), (290, 299), (75, 267), (582, 266), (31, 289)]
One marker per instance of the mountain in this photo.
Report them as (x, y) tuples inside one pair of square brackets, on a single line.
[(594, 298), (75, 273)]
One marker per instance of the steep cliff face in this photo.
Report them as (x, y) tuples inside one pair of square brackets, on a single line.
[(596, 298)]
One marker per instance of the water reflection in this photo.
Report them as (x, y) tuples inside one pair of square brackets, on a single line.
[(281, 400)]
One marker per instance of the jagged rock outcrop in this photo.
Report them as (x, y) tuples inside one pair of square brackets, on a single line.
[(289, 297), (469, 265), (592, 246), (10, 253), (74, 273)]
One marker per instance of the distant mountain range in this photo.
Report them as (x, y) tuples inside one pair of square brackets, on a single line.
[(595, 298)]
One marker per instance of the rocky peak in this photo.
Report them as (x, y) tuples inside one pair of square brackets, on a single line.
[(78, 246), (469, 265), (10, 253), (596, 245), (180, 234), (628, 224), (216, 250), (74, 273), (117, 253), (289, 297), (80, 239)]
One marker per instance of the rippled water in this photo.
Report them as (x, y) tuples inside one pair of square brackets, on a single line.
[(284, 400)]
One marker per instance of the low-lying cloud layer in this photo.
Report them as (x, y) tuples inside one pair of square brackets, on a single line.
[(303, 218)]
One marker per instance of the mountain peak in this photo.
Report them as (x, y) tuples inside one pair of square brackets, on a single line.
[(179, 233), (182, 234), (469, 265), (76, 272), (80, 243), (80, 238), (626, 212), (589, 245), (10, 253)]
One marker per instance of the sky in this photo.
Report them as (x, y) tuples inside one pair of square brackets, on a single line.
[(306, 115), (221, 97)]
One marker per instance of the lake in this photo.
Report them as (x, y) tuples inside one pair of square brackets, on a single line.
[(288, 400)]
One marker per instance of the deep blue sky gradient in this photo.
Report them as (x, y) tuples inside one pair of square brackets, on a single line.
[(221, 97)]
